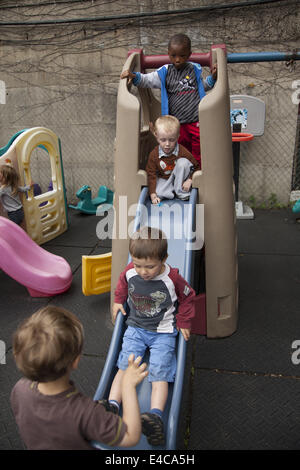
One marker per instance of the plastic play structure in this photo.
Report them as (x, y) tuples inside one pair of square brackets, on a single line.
[(21, 257), (43, 273), (88, 205), (188, 224), (296, 207), (45, 214), (96, 274), (247, 115)]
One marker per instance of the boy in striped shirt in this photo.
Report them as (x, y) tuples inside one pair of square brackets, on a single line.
[(182, 88)]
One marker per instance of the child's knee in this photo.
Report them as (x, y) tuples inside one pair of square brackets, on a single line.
[(183, 163)]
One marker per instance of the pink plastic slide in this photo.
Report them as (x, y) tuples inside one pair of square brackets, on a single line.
[(43, 273)]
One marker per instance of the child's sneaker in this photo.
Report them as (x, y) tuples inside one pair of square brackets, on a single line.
[(109, 406), (153, 428)]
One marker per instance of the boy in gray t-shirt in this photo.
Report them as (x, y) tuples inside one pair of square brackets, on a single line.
[(160, 302)]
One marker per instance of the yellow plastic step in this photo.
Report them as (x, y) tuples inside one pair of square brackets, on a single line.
[(96, 274)]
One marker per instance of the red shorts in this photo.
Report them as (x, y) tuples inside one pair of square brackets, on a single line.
[(190, 138)]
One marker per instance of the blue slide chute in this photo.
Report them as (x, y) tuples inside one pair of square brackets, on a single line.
[(177, 219)]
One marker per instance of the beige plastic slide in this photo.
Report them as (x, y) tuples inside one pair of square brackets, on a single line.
[(135, 109)]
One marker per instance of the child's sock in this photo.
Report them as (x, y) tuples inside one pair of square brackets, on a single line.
[(157, 412)]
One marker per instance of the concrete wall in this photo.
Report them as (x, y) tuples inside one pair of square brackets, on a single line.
[(65, 77)]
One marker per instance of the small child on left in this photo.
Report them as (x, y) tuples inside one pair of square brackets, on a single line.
[(9, 189), (170, 166), (51, 413)]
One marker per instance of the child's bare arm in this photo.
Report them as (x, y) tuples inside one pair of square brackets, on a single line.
[(186, 186), (115, 309), (186, 333), (214, 72), (154, 198), (127, 74), (133, 375)]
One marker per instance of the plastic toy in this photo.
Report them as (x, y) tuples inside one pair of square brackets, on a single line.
[(43, 273), (216, 308), (179, 257), (242, 211), (89, 205), (45, 214), (247, 115), (96, 274), (296, 207)]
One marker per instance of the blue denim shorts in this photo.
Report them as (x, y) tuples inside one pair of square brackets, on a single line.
[(162, 357)]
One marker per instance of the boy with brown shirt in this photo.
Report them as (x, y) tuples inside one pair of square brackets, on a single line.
[(170, 166), (50, 412)]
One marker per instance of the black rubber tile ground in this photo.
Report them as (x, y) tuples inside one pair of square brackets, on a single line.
[(240, 392), (232, 411)]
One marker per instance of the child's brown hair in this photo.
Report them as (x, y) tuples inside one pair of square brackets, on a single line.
[(10, 177), (149, 242), (46, 344)]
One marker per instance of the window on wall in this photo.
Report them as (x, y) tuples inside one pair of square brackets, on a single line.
[(40, 167)]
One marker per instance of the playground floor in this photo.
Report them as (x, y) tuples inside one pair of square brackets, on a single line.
[(241, 392)]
